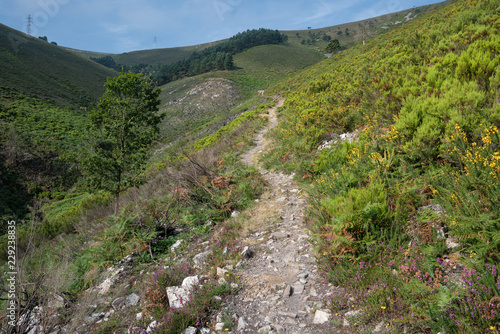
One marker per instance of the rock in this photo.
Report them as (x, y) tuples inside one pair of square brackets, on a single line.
[(349, 136), (288, 291), (199, 259), (298, 288), (97, 316), (104, 287), (132, 300), (221, 281), (451, 244), (279, 235), (320, 317), (281, 199), (234, 214), (288, 314), (56, 302), (225, 251), (138, 316), (152, 326), (234, 286), (221, 272), (176, 245), (89, 320), (205, 331), (349, 315), (313, 292), (219, 326), (247, 253), (279, 329), (190, 330), (177, 296), (379, 327), (303, 275), (190, 281), (118, 303), (241, 324), (290, 321), (265, 330)]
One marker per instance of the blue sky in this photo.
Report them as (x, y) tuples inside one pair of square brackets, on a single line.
[(118, 26)]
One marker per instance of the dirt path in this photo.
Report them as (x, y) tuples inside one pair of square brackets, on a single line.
[(283, 291)]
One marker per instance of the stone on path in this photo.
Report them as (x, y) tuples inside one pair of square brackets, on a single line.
[(288, 291), (241, 324), (246, 253), (321, 317)]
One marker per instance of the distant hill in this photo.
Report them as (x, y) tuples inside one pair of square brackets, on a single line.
[(315, 40), (35, 67)]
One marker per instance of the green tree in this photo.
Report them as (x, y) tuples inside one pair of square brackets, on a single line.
[(333, 46), (123, 127)]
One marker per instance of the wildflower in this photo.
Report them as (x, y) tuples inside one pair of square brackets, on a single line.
[(383, 307)]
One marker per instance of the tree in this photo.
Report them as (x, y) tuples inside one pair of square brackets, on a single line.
[(333, 46), (123, 126)]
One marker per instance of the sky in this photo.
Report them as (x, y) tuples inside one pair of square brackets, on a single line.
[(117, 26)]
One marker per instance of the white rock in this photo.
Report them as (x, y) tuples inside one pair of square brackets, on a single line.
[(451, 244), (221, 272), (246, 253), (176, 245), (191, 330), (379, 327), (190, 281), (199, 259), (349, 315), (177, 296), (320, 317), (152, 326), (241, 324), (138, 316), (219, 326), (132, 299)]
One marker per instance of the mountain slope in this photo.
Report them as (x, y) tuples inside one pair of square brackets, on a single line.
[(397, 142), (35, 67)]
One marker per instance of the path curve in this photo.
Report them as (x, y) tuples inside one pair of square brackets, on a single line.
[(283, 290)]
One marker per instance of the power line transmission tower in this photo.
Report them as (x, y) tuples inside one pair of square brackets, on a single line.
[(29, 21), (154, 42)]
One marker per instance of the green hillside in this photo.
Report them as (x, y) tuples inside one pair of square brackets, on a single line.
[(202, 104), (351, 33), (35, 67), (413, 202), (394, 144), (163, 56), (43, 89)]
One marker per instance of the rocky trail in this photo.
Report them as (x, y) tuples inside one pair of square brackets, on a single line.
[(283, 291)]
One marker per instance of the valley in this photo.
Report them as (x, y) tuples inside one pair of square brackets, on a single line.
[(291, 192)]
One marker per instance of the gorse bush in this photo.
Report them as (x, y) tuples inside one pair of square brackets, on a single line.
[(424, 168)]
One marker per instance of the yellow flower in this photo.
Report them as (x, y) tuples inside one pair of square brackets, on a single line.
[(383, 307)]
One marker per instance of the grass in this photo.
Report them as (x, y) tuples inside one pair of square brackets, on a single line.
[(427, 125), (44, 70)]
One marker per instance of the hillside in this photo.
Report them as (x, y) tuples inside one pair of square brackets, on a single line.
[(397, 143), (307, 40), (164, 55), (359, 194), (38, 68), (43, 90)]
